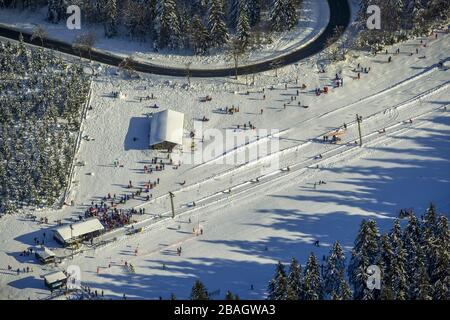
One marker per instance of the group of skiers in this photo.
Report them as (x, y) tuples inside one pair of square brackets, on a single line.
[(147, 98), (18, 270), (246, 126)]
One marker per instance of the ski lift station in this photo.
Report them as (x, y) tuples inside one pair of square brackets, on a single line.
[(78, 231), (55, 280), (166, 130), (45, 255)]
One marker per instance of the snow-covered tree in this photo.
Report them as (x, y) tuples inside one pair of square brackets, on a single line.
[(243, 27), (167, 26), (415, 263), (294, 281), (253, 11), (278, 15), (291, 14), (312, 282), (56, 10), (233, 13), (199, 291), (277, 289), (41, 107), (365, 253), (110, 17), (216, 24), (200, 36), (399, 277), (335, 284), (440, 260), (230, 296)]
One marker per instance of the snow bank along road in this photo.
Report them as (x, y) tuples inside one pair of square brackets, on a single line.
[(340, 16)]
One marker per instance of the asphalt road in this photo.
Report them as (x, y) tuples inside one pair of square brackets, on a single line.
[(340, 15)]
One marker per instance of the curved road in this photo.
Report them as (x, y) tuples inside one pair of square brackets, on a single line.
[(340, 15)]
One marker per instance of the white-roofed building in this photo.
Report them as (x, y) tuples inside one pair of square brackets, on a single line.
[(77, 231), (166, 129), (55, 280), (45, 255)]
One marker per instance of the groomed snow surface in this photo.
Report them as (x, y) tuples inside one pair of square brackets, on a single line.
[(313, 19), (406, 167)]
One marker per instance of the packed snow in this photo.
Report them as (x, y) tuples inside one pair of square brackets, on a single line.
[(253, 214)]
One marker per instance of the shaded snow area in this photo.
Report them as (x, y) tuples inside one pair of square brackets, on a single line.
[(252, 214), (313, 19)]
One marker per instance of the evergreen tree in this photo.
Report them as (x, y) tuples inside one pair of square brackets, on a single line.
[(291, 14), (167, 27), (233, 13), (312, 286), (387, 256), (294, 281), (56, 10), (335, 284), (216, 24), (422, 289), (399, 278), (200, 36), (231, 296), (243, 27), (278, 15), (364, 254), (253, 11), (199, 291), (277, 289), (110, 17), (440, 261), (415, 263)]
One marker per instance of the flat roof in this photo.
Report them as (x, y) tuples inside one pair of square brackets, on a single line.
[(55, 277), (45, 253), (79, 229)]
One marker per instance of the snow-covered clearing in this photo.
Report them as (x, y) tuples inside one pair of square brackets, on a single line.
[(313, 19), (408, 166)]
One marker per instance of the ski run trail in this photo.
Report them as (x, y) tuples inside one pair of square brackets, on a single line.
[(254, 213)]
